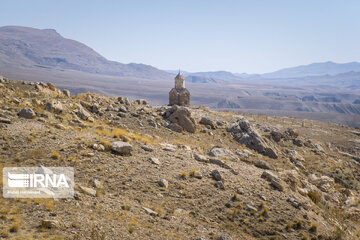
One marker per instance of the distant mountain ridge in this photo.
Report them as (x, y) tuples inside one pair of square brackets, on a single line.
[(315, 69), (311, 70), (46, 48)]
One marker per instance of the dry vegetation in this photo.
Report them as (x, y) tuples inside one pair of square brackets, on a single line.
[(131, 204)]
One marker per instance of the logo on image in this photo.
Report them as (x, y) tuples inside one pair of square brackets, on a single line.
[(41, 182)]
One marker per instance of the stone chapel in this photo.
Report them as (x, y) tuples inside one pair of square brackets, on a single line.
[(179, 95)]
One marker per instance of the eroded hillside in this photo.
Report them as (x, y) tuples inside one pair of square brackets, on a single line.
[(144, 172)]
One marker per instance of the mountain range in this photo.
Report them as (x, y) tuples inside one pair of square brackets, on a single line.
[(328, 69), (322, 88), (47, 48)]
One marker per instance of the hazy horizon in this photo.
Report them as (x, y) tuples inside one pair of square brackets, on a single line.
[(235, 36)]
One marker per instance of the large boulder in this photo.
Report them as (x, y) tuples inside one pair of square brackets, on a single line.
[(54, 106), (27, 113), (83, 114), (182, 117), (208, 122), (245, 134), (324, 183), (223, 153), (122, 148), (273, 179)]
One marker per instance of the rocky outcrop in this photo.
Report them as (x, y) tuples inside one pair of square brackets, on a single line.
[(27, 113), (54, 106), (273, 179), (245, 134), (84, 115), (208, 122), (181, 116), (223, 153)]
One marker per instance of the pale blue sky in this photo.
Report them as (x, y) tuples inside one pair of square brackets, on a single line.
[(251, 36)]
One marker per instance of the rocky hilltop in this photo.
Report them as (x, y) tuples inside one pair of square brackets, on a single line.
[(145, 172)]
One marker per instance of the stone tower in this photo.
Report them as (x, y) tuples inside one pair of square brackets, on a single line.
[(179, 95)]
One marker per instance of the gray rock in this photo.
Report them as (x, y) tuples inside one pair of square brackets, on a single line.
[(224, 237), (200, 158), (66, 92), (250, 208), (219, 162), (277, 136), (51, 86), (293, 202), (268, 175), (121, 100), (208, 122), (182, 117), (298, 142), (163, 183), (324, 183), (121, 147), (123, 109), (244, 154), (262, 164), (95, 108), (122, 115), (299, 165), (169, 149), (294, 155), (240, 191), (198, 175), (99, 147), (273, 179), (150, 211), (175, 127), (152, 123), (243, 133), (27, 113), (60, 126), (96, 183), (83, 114), (88, 191), (319, 147), (276, 184), (134, 114), (147, 148), (215, 174), (49, 224), (220, 185), (54, 106), (154, 160), (224, 153)]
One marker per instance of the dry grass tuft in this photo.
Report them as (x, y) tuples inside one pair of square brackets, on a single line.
[(315, 197), (184, 175), (55, 155)]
